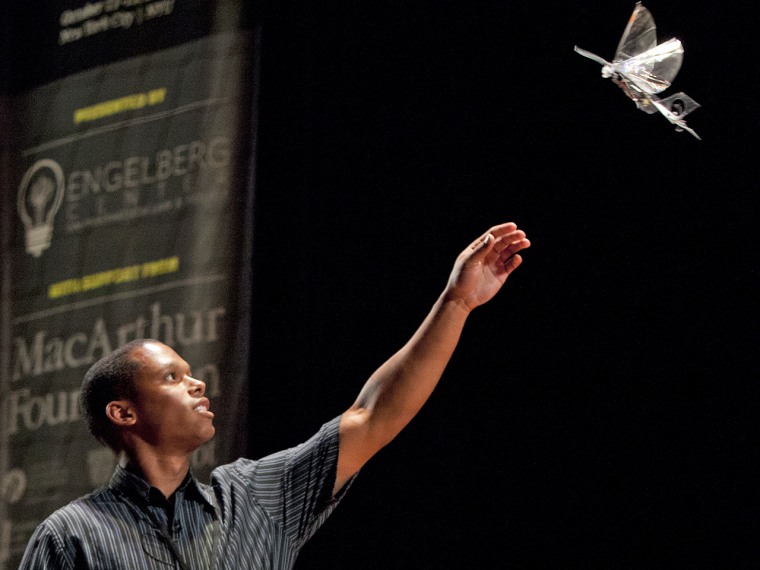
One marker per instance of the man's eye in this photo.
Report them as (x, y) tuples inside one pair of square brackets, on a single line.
[(171, 376)]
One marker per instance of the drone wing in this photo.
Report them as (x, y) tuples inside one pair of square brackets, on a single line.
[(654, 70), (640, 35)]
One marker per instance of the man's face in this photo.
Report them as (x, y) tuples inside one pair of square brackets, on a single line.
[(172, 412)]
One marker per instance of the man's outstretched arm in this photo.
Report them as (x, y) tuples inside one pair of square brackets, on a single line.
[(397, 390)]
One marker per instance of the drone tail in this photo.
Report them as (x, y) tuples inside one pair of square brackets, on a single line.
[(675, 108), (680, 104)]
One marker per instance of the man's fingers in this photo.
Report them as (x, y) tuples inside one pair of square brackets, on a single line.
[(499, 244), (509, 258), (512, 263), (516, 246), (503, 229), (508, 239)]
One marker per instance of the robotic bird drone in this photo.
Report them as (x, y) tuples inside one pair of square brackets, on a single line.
[(642, 68)]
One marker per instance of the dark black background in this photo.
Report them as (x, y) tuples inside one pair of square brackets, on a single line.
[(598, 413)]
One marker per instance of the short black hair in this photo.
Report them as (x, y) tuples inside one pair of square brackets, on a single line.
[(110, 378)]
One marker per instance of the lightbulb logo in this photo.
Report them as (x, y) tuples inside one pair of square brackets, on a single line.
[(39, 197)]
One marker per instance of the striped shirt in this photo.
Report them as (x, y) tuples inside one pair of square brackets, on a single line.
[(255, 514)]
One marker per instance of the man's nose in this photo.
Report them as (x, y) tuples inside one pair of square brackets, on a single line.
[(196, 386)]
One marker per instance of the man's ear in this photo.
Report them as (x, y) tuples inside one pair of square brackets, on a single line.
[(121, 412)]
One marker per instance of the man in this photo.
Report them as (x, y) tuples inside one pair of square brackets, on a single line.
[(143, 402)]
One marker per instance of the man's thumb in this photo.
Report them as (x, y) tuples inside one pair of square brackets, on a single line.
[(487, 244)]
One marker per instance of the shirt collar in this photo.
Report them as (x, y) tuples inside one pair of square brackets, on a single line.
[(137, 488)]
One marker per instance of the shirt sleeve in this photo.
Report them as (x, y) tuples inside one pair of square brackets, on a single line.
[(295, 485), (45, 551)]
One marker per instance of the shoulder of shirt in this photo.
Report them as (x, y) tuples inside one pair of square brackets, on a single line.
[(226, 469), (244, 465)]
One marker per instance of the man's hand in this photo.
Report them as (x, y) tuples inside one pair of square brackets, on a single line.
[(483, 267)]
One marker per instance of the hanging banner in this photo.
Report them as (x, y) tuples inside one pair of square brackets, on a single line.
[(128, 215)]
